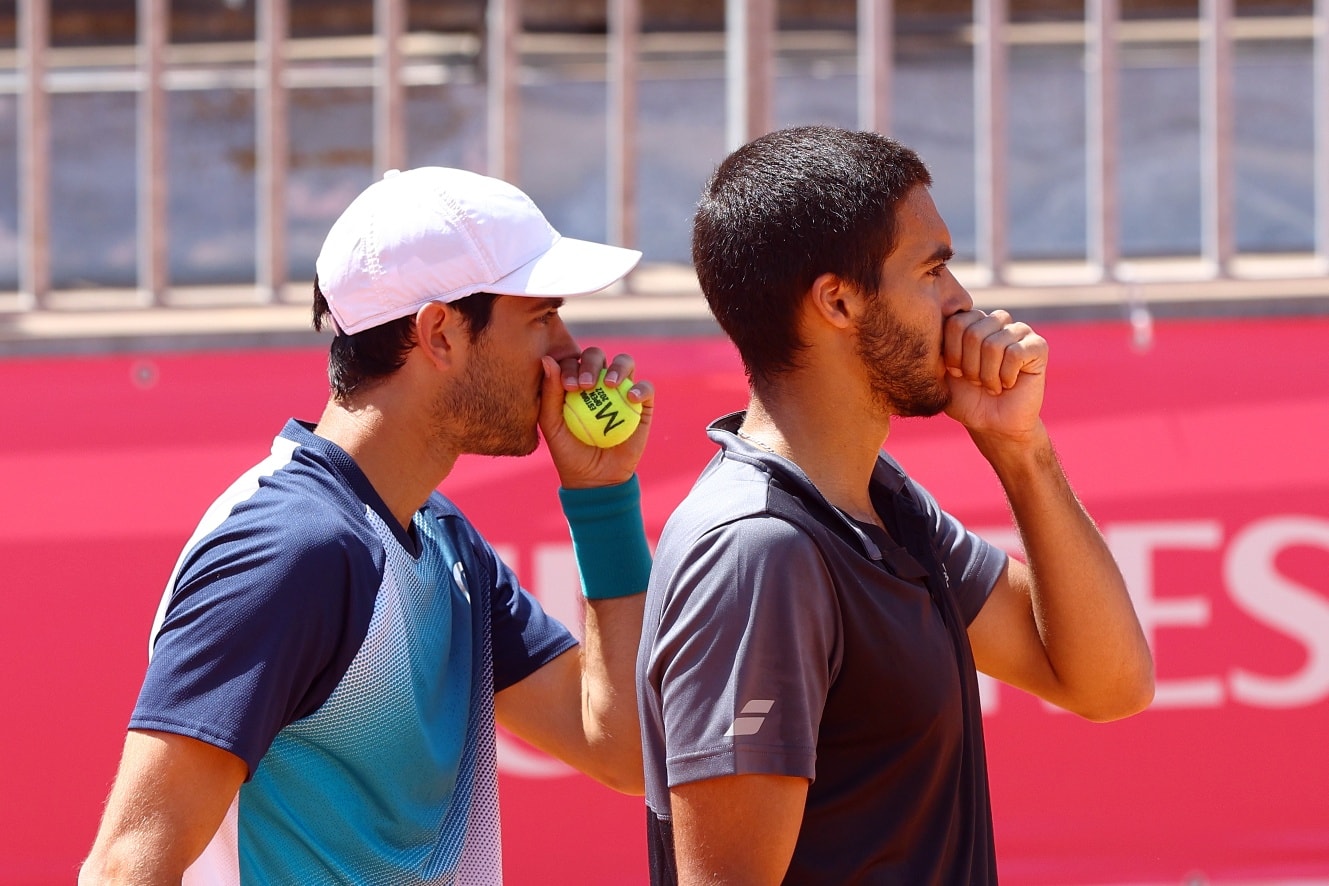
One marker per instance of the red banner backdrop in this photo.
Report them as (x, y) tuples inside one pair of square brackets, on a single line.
[(1201, 452)]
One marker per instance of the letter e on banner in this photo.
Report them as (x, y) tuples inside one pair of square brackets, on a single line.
[(1133, 546)]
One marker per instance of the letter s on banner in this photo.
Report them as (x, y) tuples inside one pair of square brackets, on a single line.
[(1269, 597)]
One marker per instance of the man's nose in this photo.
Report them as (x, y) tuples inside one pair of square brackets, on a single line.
[(957, 297), (561, 344)]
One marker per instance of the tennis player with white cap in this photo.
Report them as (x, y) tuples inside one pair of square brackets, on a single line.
[(337, 641)]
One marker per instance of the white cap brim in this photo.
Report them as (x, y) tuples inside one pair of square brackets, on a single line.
[(569, 267)]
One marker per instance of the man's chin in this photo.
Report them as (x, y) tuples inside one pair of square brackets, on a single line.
[(525, 449), (511, 447), (921, 408)]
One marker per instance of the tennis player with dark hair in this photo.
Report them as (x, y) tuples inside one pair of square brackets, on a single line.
[(337, 640), (807, 673)]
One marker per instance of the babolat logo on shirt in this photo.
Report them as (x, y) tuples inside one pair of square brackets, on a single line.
[(597, 401), (749, 720)]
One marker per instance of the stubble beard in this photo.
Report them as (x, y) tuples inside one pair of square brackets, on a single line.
[(484, 415), (899, 364)]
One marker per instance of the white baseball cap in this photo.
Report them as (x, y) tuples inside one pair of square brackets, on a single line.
[(438, 234)]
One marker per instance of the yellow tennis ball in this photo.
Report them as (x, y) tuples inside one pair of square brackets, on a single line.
[(602, 416)]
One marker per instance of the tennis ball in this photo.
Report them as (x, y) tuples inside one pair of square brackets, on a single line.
[(602, 416)]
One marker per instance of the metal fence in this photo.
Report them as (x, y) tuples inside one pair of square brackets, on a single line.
[(750, 47)]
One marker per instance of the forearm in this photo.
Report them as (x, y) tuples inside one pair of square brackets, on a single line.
[(609, 694), (1085, 621), (614, 562)]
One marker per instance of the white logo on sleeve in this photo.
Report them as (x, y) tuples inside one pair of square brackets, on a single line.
[(459, 576), (749, 719)]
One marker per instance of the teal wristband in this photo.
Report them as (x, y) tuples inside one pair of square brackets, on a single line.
[(608, 539)]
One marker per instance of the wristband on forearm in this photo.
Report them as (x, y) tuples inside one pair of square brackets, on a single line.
[(608, 539)]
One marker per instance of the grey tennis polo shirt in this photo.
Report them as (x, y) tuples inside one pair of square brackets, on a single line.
[(782, 637)]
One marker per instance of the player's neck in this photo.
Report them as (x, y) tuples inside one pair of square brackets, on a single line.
[(396, 457), (827, 432)]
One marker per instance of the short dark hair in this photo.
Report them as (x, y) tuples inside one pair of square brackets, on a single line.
[(781, 211), (358, 361)]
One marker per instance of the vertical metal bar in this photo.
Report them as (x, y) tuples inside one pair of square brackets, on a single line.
[(271, 148), (153, 246), (1101, 127), (389, 91), (34, 142), (1320, 92), (624, 31), (503, 21), (990, 81), (749, 69), (876, 63), (1216, 129)]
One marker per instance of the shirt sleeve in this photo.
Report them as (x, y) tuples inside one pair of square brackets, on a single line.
[(259, 630), (748, 646), (525, 637), (972, 564)]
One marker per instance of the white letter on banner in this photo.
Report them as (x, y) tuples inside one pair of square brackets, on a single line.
[(556, 587), (559, 585), (1293, 609), (1133, 545)]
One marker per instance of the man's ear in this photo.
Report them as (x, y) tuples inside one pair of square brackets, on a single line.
[(834, 300), (440, 334)]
